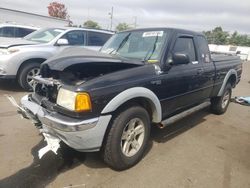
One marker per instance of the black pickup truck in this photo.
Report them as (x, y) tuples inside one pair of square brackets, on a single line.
[(107, 101)]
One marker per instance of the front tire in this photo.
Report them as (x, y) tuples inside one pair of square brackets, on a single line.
[(127, 139), (27, 72), (220, 104)]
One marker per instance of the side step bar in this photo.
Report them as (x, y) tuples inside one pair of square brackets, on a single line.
[(181, 115)]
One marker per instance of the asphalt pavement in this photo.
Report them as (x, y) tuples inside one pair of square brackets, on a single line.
[(201, 151)]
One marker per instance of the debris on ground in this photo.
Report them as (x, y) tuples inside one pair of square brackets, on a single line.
[(242, 100)]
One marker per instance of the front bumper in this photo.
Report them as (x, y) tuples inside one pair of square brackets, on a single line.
[(9, 65), (7, 77), (82, 135), (3, 74)]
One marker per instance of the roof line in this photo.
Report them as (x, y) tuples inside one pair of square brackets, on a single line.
[(13, 10)]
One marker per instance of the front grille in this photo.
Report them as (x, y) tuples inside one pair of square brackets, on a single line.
[(49, 92)]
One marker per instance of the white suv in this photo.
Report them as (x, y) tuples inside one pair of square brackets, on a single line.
[(20, 59), (15, 31)]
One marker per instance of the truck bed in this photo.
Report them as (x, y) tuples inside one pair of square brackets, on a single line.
[(224, 58)]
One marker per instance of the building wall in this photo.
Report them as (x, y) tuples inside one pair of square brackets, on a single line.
[(24, 18)]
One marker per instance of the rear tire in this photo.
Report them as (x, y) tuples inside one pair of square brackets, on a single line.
[(127, 138), (220, 104), (26, 73)]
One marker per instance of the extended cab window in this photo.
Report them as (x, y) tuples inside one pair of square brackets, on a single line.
[(75, 37), (97, 39), (204, 50), (185, 45)]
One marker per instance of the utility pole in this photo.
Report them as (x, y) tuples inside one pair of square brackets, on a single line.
[(111, 18)]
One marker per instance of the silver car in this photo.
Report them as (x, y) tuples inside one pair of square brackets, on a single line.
[(20, 59)]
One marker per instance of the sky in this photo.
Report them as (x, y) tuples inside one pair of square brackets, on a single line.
[(198, 15)]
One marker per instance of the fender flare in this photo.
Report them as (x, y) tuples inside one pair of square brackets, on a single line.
[(132, 93), (230, 73)]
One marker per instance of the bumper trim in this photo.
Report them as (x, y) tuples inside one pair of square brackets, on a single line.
[(7, 77), (71, 126)]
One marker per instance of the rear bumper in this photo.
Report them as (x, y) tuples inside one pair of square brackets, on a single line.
[(82, 135)]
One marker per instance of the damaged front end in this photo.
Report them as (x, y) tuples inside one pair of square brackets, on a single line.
[(82, 135), (62, 79)]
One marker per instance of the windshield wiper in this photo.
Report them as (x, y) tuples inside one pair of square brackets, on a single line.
[(151, 52), (121, 44)]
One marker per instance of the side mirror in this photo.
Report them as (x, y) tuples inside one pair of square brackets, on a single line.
[(180, 58), (62, 42)]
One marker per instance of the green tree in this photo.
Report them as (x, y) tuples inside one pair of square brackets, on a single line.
[(239, 40), (91, 24), (243, 40), (217, 36), (208, 35), (233, 40), (122, 26)]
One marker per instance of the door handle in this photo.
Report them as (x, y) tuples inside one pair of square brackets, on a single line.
[(200, 71)]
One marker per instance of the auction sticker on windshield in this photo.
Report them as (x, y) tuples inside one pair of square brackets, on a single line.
[(152, 34)]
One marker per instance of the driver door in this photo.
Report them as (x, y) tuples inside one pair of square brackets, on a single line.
[(182, 83)]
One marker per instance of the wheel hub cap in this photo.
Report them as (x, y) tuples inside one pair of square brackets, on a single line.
[(33, 72), (225, 99), (132, 137)]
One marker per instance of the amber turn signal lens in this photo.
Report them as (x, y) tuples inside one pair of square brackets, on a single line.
[(83, 102)]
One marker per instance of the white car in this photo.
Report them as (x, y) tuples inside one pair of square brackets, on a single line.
[(15, 31), (20, 59)]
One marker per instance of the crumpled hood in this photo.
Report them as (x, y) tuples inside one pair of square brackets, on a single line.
[(79, 55), (11, 42)]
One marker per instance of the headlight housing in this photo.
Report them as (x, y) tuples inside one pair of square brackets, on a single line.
[(8, 51), (74, 101)]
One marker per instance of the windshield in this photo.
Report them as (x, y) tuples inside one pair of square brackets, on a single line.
[(44, 35), (139, 45)]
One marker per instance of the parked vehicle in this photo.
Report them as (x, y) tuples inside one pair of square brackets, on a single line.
[(107, 101), (21, 58), (15, 31)]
